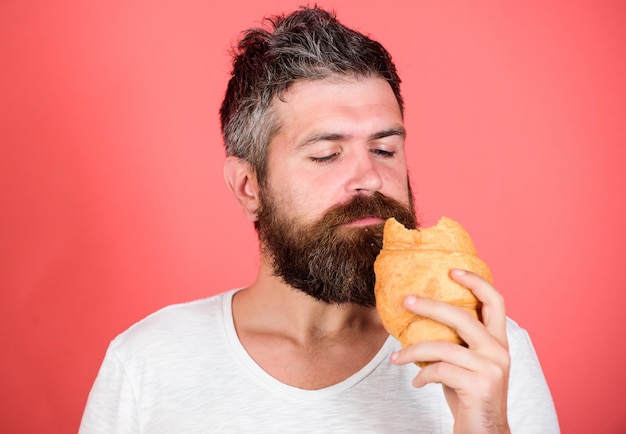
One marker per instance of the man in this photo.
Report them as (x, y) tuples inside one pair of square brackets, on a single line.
[(314, 134)]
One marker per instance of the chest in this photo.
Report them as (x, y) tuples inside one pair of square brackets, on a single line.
[(310, 366)]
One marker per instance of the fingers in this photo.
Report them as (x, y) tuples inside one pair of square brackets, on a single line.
[(493, 309), (463, 322), (481, 344), (436, 351), (475, 378), (484, 340)]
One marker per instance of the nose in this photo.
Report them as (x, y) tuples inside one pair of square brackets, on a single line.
[(364, 174)]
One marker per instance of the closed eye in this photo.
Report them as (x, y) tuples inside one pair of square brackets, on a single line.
[(325, 159), (384, 153)]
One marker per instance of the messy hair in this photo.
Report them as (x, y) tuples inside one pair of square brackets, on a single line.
[(308, 44)]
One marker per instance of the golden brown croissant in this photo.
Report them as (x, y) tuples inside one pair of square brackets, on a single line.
[(419, 262)]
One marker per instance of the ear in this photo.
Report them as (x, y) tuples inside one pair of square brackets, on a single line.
[(242, 182)]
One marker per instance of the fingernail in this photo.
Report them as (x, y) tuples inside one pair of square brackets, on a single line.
[(458, 272), (394, 356), (417, 383), (410, 300)]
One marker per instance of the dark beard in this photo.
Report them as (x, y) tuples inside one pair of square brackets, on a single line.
[(331, 263)]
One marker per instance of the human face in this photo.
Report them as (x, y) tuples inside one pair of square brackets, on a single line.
[(337, 138), (330, 259)]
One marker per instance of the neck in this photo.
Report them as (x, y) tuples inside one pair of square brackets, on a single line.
[(289, 333), (271, 304)]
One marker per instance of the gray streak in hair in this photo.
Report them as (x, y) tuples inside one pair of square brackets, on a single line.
[(308, 44)]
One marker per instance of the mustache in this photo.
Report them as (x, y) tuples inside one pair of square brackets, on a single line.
[(363, 206)]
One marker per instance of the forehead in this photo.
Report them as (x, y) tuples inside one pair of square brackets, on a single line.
[(346, 105)]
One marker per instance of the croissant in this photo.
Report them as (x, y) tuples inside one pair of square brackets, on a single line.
[(418, 262)]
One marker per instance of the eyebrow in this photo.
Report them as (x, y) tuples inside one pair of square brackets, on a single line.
[(336, 137), (399, 131)]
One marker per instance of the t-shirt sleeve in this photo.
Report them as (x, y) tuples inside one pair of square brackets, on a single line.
[(530, 406), (111, 406)]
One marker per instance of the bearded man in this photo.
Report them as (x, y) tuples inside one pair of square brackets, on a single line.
[(315, 141)]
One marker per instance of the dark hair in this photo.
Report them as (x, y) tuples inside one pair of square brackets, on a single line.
[(308, 44)]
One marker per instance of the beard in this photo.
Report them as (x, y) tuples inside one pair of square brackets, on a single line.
[(330, 262)]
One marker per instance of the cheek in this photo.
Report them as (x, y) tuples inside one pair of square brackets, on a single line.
[(299, 197), (395, 184)]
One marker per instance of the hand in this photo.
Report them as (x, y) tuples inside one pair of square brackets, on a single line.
[(475, 379)]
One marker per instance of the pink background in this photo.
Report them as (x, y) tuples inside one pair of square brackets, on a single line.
[(112, 202)]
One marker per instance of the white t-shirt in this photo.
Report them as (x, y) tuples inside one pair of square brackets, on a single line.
[(183, 370)]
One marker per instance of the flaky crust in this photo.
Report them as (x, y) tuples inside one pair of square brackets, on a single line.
[(419, 262)]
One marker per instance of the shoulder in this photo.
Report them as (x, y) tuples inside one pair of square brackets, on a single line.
[(519, 339), (514, 330), (192, 323), (530, 404)]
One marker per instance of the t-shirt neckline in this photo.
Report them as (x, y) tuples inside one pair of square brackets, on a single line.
[(261, 376)]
